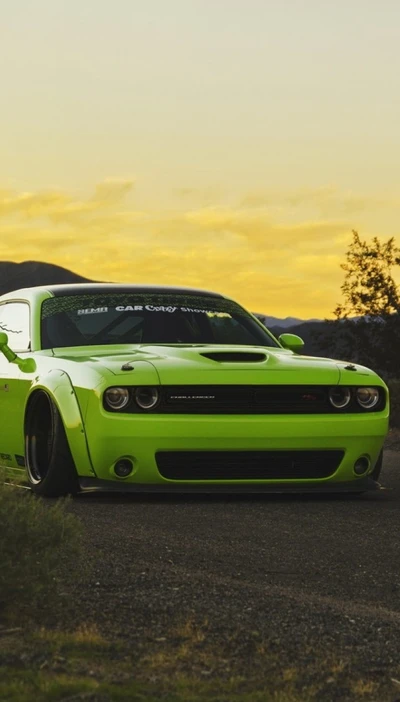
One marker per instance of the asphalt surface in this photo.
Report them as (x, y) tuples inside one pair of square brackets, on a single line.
[(305, 578)]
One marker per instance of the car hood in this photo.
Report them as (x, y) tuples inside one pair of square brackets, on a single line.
[(206, 364)]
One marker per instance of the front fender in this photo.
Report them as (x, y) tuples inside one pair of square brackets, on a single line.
[(57, 384)]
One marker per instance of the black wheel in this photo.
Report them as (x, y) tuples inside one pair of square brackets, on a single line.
[(50, 467), (378, 467)]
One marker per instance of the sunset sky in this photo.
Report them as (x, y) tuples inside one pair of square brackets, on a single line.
[(225, 144)]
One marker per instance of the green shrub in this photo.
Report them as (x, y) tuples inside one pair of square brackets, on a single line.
[(394, 390), (36, 537)]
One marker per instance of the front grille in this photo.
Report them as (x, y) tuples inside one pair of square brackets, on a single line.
[(245, 399), (247, 465)]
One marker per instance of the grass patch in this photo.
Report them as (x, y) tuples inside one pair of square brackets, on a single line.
[(17, 476), (81, 665), (35, 536), (84, 634)]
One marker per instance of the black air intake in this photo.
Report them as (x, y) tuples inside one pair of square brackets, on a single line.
[(235, 357), (248, 465)]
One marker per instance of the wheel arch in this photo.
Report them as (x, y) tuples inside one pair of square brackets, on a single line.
[(58, 387)]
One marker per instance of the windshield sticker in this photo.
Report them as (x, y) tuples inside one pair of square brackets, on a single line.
[(169, 309), (93, 310), (150, 308), (83, 305)]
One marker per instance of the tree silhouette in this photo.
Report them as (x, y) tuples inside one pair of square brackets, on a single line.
[(366, 328), (369, 288)]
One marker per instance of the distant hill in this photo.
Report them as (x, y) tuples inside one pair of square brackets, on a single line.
[(286, 323), (29, 273), (306, 329)]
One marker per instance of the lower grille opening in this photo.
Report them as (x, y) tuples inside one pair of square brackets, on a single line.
[(247, 465)]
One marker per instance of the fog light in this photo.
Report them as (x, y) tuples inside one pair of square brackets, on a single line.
[(361, 465), (123, 467)]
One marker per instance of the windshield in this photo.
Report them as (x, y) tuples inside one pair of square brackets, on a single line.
[(147, 318)]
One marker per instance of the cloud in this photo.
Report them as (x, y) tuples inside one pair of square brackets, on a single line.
[(112, 190), (326, 200), (31, 205), (60, 207), (269, 264), (260, 232), (205, 196)]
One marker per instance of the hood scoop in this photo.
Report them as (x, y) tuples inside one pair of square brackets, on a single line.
[(235, 356)]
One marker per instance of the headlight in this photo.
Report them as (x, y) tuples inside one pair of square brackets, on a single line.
[(367, 397), (146, 398), (339, 397), (116, 398)]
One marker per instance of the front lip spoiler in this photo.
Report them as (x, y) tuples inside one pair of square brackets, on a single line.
[(98, 485)]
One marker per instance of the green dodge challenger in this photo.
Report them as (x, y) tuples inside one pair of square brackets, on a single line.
[(149, 388)]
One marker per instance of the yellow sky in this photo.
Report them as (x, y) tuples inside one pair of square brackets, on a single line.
[(226, 144)]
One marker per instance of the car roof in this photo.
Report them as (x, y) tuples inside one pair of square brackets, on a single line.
[(60, 290), (95, 288)]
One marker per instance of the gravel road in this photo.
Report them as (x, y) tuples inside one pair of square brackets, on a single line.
[(303, 577)]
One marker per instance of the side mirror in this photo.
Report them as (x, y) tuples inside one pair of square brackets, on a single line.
[(27, 365), (5, 349), (292, 342)]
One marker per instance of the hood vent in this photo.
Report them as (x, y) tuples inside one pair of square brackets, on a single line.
[(235, 357)]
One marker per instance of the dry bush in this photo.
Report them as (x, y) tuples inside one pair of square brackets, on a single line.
[(394, 390), (36, 536)]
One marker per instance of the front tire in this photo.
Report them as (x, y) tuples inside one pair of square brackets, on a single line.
[(49, 463)]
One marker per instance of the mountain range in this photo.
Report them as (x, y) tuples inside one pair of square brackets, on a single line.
[(286, 323), (14, 276)]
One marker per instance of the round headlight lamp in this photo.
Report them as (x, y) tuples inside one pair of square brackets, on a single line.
[(339, 397), (367, 397), (146, 398), (116, 398)]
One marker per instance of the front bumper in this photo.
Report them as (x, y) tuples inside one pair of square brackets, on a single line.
[(111, 437)]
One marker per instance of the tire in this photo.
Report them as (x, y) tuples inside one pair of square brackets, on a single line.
[(49, 463), (378, 467)]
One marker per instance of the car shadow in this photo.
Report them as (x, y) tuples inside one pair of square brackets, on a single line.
[(231, 498)]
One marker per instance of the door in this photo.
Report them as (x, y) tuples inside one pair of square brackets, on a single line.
[(14, 385)]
